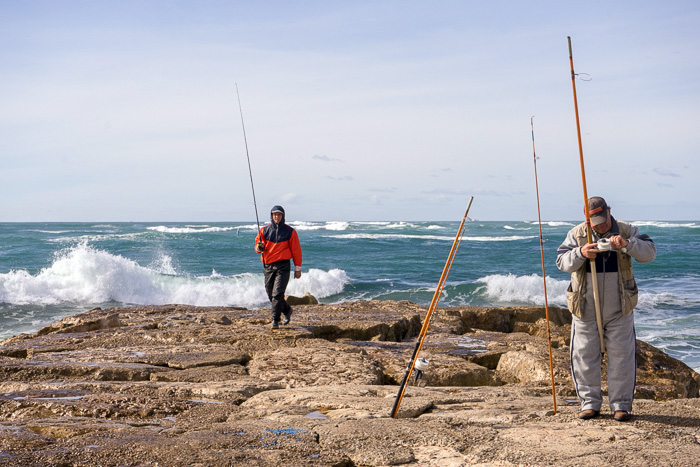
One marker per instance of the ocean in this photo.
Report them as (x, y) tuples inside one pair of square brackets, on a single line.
[(52, 270)]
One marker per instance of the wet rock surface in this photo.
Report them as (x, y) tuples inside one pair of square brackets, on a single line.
[(215, 386)]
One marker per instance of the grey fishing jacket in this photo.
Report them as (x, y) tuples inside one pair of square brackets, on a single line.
[(614, 270)]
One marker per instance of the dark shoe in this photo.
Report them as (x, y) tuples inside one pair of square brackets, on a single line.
[(287, 317), (588, 414), (622, 416), (275, 325)]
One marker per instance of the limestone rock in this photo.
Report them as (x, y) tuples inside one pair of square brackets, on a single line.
[(307, 299), (93, 320), (524, 367), (322, 366), (183, 386)]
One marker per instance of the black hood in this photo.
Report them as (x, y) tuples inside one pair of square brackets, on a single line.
[(280, 209)]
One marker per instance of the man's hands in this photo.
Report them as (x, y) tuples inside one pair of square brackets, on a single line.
[(616, 241), (260, 247), (590, 250)]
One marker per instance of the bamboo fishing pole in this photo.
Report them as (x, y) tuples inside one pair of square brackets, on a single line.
[(431, 309), (544, 280), (589, 229)]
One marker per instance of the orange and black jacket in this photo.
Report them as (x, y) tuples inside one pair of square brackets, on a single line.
[(281, 243)]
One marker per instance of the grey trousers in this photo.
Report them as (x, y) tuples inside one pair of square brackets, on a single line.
[(620, 346)]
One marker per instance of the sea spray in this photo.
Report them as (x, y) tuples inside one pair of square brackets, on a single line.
[(511, 289), (78, 274), (84, 274)]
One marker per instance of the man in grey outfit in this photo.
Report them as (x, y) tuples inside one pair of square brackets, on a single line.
[(617, 291)]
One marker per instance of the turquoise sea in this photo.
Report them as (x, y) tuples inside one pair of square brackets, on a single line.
[(51, 270)]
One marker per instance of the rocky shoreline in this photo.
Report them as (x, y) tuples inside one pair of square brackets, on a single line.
[(214, 386)]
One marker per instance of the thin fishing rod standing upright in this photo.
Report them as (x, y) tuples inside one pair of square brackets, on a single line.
[(589, 229), (431, 309), (250, 171), (544, 280)]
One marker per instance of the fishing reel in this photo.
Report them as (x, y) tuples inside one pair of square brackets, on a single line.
[(604, 244), (605, 247), (419, 368)]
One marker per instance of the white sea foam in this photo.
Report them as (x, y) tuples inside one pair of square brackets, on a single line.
[(400, 225), (382, 236), (96, 238), (692, 225), (190, 229), (329, 225), (510, 238), (54, 232), (676, 299), (386, 224), (552, 223), (510, 288), (303, 225), (558, 223), (319, 283), (337, 225), (83, 274), (377, 236), (377, 223), (508, 227), (163, 265), (247, 227)]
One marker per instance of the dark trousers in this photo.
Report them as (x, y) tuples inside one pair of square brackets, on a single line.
[(276, 280)]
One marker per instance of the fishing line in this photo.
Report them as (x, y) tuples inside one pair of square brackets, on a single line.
[(589, 228), (544, 280), (250, 171)]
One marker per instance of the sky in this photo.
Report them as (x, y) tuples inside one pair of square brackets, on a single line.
[(353, 110)]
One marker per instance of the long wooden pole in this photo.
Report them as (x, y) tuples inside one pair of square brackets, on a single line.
[(544, 277), (431, 309), (589, 229)]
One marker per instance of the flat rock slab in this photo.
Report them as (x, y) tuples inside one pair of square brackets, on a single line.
[(178, 385)]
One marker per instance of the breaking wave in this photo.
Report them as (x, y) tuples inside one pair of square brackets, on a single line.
[(86, 275)]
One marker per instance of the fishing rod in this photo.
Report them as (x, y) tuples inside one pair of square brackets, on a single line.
[(250, 171), (589, 228), (544, 280), (431, 309)]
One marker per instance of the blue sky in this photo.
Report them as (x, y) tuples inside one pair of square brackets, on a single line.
[(365, 110)]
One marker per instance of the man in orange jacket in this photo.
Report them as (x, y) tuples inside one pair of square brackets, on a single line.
[(277, 243)]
